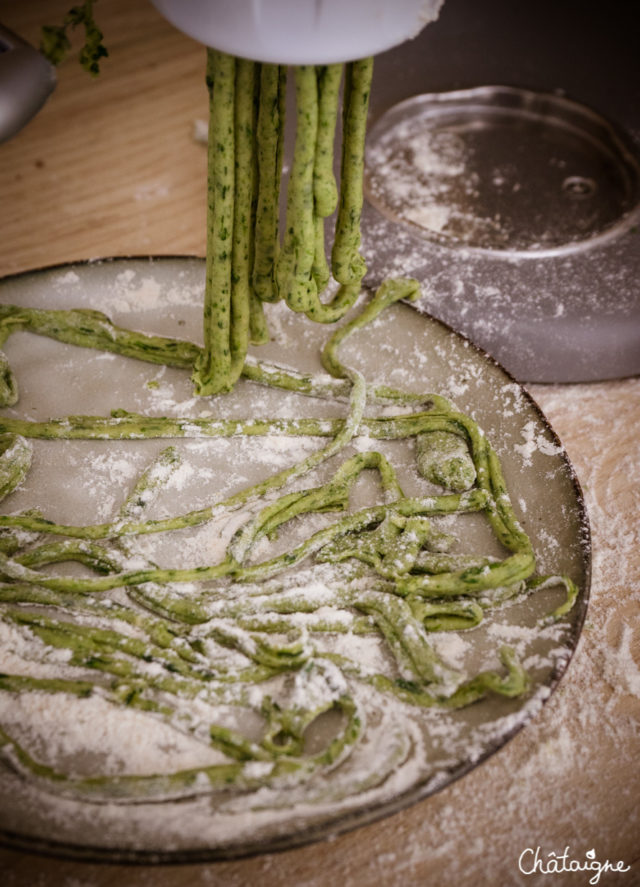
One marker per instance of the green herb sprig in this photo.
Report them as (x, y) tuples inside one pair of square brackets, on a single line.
[(55, 41)]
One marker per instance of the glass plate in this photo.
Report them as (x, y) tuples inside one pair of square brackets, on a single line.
[(407, 753)]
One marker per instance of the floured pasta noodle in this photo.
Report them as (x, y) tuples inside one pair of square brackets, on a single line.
[(247, 262), (234, 652), (386, 571)]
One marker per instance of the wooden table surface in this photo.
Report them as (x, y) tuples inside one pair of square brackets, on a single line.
[(110, 167)]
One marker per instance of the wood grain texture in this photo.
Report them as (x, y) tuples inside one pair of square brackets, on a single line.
[(110, 167)]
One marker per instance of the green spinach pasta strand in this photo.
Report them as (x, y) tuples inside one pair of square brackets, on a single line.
[(295, 262), (347, 263), (213, 368), (247, 319), (270, 135)]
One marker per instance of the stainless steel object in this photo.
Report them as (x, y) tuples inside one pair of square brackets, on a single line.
[(516, 205), (26, 81), (503, 169)]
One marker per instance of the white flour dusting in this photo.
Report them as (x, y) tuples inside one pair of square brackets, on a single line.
[(401, 747)]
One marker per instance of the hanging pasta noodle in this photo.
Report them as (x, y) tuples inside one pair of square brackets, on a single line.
[(269, 150), (213, 369), (247, 263)]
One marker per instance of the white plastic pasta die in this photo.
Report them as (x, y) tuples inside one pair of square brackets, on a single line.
[(298, 32)]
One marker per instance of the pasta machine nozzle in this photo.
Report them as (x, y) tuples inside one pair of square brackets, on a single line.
[(300, 32)]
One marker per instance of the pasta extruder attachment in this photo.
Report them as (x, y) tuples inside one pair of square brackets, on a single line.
[(26, 81), (300, 32)]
